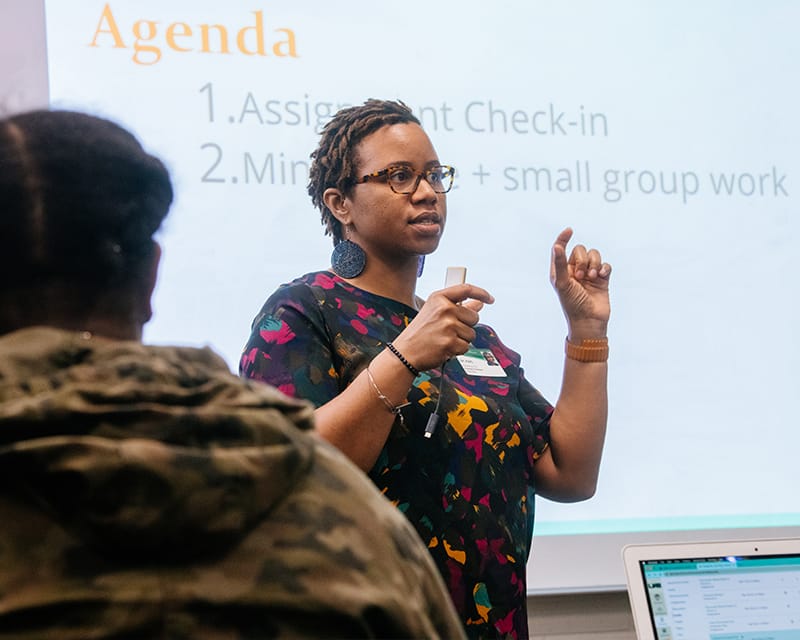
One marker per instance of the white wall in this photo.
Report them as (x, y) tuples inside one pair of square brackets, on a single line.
[(588, 616), (23, 77)]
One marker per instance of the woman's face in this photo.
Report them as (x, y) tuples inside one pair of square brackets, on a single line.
[(389, 225)]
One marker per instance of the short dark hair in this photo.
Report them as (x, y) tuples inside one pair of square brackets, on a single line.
[(334, 160), (80, 201)]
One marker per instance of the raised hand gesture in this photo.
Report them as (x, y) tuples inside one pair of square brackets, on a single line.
[(581, 283)]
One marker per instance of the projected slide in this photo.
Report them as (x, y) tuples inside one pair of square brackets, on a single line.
[(666, 135)]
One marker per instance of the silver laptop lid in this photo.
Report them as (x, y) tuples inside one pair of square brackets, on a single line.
[(723, 590)]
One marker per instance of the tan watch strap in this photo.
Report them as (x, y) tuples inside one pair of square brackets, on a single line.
[(589, 350)]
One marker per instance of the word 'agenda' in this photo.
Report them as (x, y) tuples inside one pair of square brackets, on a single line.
[(184, 38)]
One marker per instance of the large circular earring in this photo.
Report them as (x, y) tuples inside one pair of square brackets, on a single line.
[(348, 259)]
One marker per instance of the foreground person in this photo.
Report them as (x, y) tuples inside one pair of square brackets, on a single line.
[(146, 491)]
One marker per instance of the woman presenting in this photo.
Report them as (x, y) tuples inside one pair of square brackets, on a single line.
[(459, 442)]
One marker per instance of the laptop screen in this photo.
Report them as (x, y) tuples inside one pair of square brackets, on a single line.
[(721, 597)]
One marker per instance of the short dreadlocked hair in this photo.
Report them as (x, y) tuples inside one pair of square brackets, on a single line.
[(334, 160)]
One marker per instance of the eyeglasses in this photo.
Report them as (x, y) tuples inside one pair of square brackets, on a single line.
[(405, 180)]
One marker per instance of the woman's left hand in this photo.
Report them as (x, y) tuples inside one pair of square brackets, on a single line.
[(582, 286), (568, 469)]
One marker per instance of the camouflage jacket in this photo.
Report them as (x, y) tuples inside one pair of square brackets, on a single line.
[(147, 492)]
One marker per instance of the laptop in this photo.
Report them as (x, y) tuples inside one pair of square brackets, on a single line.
[(726, 590)]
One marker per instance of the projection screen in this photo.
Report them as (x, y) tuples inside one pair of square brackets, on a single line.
[(665, 134)]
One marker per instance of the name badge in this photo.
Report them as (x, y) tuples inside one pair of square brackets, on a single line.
[(481, 363)]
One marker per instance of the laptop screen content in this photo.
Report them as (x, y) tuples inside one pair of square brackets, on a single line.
[(724, 598)]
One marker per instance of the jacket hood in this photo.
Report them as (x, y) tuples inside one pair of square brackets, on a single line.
[(143, 451)]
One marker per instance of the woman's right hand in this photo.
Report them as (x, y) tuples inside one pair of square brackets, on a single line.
[(443, 328)]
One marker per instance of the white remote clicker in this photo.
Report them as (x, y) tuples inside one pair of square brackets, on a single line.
[(455, 275)]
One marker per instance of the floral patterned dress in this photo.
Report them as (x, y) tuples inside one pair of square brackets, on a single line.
[(469, 489)]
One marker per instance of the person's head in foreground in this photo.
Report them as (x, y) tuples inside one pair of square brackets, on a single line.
[(81, 201), (146, 491)]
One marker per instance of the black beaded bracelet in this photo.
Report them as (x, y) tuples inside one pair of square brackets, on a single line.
[(408, 365)]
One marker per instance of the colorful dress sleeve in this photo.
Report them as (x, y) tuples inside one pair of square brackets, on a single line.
[(290, 346)]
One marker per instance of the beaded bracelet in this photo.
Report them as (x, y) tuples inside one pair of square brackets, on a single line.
[(392, 408), (408, 365)]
